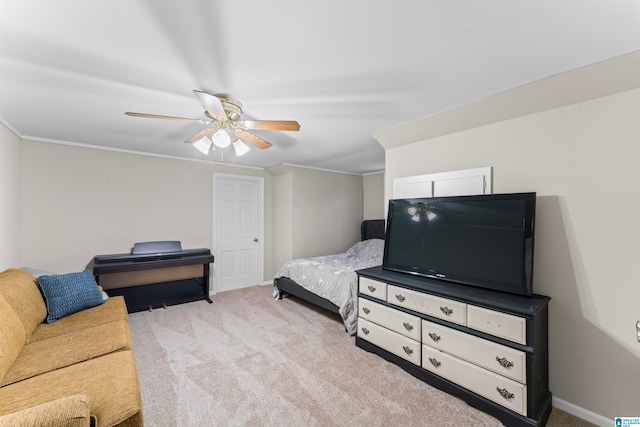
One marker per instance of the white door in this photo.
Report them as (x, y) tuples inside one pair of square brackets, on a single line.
[(237, 231)]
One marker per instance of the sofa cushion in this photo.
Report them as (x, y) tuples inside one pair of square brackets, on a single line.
[(110, 382), (65, 294), (54, 353), (22, 293), (71, 411), (112, 310), (11, 337)]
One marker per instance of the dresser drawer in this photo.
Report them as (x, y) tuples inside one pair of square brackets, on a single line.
[(502, 325), (442, 308), (392, 342), (390, 318), (372, 288), (496, 357), (497, 388)]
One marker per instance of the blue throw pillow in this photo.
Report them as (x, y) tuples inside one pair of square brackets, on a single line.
[(65, 294)]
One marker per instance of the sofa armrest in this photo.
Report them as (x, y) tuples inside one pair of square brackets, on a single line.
[(70, 411)]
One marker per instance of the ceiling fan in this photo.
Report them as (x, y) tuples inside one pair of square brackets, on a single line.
[(225, 125)]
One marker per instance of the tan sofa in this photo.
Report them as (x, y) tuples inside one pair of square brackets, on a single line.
[(77, 371)]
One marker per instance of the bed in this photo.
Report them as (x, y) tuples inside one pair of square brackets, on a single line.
[(330, 281)]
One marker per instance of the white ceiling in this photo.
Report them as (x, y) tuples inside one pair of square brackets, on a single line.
[(343, 69)]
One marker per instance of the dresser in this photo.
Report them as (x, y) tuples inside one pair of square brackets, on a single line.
[(488, 348)]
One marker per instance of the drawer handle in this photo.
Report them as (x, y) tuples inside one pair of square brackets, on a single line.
[(365, 331), (400, 297), (504, 362), (407, 350), (435, 362), (366, 310), (434, 336), (504, 393), (446, 310), (371, 288), (408, 326)]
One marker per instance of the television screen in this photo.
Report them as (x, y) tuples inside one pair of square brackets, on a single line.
[(484, 241)]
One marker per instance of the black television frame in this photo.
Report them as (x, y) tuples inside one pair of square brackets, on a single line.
[(524, 287)]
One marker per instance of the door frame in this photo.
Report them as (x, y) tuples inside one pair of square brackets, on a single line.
[(215, 272)]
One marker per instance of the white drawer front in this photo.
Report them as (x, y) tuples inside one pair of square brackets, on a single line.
[(485, 383), (502, 325), (442, 308), (498, 358), (390, 318), (373, 288), (392, 342)]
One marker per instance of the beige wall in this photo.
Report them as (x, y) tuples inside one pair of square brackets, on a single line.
[(327, 212), (9, 198), (283, 219), (80, 202), (324, 210), (374, 202), (582, 160)]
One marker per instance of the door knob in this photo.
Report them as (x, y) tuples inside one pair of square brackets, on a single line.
[(255, 239)]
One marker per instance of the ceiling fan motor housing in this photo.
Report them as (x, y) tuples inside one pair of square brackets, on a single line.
[(232, 107)]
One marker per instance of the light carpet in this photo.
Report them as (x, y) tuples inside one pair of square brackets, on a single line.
[(250, 360)]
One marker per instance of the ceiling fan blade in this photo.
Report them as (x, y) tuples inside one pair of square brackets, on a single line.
[(212, 104), (252, 139), (271, 124), (156, 116), (198, 136)]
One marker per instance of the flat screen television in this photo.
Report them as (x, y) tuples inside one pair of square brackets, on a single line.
[(484, 241)]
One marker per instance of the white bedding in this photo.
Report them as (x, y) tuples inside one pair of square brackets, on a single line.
[(333, 277)]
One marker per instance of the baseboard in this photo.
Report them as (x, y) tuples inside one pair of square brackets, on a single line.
[(585, 414)]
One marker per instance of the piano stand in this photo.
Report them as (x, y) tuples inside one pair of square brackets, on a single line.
[(158, 294)]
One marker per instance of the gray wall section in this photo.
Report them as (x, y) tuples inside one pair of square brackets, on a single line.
[(374, 206), (324, 209), (9, 198)]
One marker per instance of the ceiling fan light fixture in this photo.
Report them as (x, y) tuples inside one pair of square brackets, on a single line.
[(225, 125), (203, 145), (240, 147), (221, 138)]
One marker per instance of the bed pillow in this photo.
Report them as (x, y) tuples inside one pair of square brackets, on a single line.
[(65, 294), (368, 249), (36, 272)]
